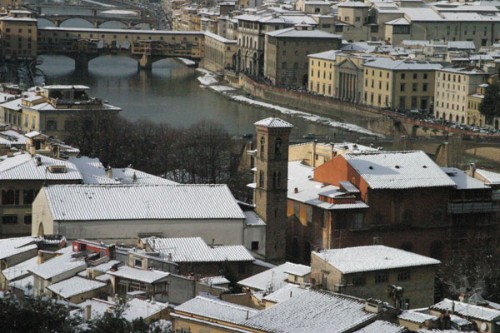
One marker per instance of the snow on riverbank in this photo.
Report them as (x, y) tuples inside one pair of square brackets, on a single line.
[(307, 116), (208, 79)]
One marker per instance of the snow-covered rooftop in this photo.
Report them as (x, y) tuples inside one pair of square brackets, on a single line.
[(382, 326), (23, 166), (300, 177), (216, 309), (313, 311), (399, 170), (20, 270), (302, 33), (252, 219), (372, 258), (467, 310), (59, 265), (75, 286), (491, 177), (194, 249), (133, 202), (137, 308), (12, 246), (416, 317), (270, 280), (462, 180), (143, 275), (406, 65), (285, 293), (273, 122)]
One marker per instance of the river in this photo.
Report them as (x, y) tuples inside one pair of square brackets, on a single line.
[(170, 93)]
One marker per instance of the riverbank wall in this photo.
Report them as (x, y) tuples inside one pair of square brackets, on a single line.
[(319, 105)]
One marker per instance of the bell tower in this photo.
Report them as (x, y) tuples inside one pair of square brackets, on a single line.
[(270, 195)]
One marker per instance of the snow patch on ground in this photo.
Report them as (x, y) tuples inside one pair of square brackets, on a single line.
[(307, 116), (222, 88), (187, 62), (207, 79)]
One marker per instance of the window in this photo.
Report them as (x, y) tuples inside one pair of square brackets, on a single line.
[(324, 220), (261, 178), (255, 246), (51, 125), (414, 87), (381, 277), (262, 143), (357, 221), (277, 147), (424, 87), (27, 219), (425, 76), (402, 87), (9, 219), (10, 197), (404, 276), (29, 196), (308, 214), (403, 75), (358, 280), (138, 263)]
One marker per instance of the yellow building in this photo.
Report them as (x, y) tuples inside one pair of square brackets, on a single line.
[(52, 110), (367, 271), (399, 84), (454, 86), (18, 32), (474, 117), (322, 72)]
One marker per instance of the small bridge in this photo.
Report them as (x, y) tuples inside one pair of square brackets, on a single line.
[(147, 46)]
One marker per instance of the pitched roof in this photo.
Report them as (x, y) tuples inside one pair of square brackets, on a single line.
[(467, 310), (216, 309), (133, 202), (23, 166), (273, 122), (20, 270), (137, 308), (302, 33), (388, 63), (75, 286), (313, 311), (12, 246), (194, 249), (379, 326), (399, 170), (463, 180), (372, 258), (490, 176), (271, 279), (59, 265), (143, 275)]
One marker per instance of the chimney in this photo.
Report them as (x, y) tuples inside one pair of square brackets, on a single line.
[(88, 312), (38, 160), (472, 170), (109, 172)]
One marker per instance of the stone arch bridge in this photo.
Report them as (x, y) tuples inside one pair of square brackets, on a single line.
[(147, 46)]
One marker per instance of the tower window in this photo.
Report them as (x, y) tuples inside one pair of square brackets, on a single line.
[(262, 143), (261, 178), (277, 147)]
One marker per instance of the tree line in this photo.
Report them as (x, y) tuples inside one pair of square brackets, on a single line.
[(201, 153)]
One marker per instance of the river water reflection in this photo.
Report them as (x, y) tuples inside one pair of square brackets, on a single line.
[(169, 93)]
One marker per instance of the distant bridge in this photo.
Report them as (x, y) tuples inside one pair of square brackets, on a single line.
[(96, 15), (147, 46)]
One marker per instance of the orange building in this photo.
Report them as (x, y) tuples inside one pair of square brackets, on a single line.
[(399, 199)]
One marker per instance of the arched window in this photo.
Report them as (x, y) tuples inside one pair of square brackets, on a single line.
[(277, 147), (262, 144), (261, 178)]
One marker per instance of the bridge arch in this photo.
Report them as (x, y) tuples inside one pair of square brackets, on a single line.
[(71, 21), (111, 24)]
